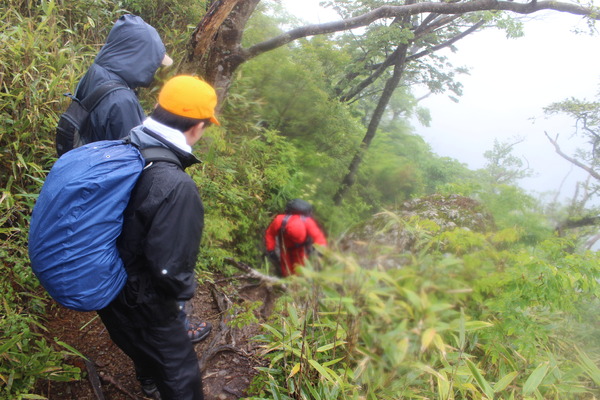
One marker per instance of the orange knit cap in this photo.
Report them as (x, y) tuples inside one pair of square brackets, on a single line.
[(189, 96)]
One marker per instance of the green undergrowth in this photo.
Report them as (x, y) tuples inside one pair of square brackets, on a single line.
[(494, 320), (26, 356)]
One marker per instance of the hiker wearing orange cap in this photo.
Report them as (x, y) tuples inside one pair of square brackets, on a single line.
[(159, 244)]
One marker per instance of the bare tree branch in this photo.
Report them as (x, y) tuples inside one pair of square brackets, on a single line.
[(572, 160), (592, 241), (251, 273), (579, 222), (427, 21), (413, 9), (447, 43), (437, 23), (371, 78)]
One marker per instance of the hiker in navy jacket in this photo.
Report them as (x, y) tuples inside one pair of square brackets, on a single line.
[(159, 245), (132, 54)]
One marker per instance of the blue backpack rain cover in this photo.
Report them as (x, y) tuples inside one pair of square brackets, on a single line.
[(76, 221)]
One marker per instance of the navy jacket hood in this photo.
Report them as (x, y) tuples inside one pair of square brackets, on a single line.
[(132, 54), (133, 51)]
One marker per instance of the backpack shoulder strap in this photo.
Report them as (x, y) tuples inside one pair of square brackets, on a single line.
[(152, 154), (91, 101), (281, 232), (284, 223)]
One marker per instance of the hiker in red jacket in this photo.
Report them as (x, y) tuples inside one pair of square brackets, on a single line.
[(290, 237)]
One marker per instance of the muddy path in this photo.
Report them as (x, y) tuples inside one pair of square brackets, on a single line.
[(228, 356)]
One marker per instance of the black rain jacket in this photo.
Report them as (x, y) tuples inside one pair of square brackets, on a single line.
[(161, 235), (132, 54)]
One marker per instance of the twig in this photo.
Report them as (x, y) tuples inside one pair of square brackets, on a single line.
[(106, 378), (572, 160)]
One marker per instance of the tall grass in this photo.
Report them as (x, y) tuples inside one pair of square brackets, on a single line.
[(43, 56)]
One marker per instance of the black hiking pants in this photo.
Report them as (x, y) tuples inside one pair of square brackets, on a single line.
[(160, 350)]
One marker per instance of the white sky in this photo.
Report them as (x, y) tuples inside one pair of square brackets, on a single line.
[(511, 80)]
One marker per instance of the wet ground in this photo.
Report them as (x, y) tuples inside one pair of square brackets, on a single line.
[(228, 356)]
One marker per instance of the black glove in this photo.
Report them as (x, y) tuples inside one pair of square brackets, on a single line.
[(272, 256), (275, 262)]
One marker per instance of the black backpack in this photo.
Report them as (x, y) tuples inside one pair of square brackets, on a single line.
[(71, 123), (299, 207)]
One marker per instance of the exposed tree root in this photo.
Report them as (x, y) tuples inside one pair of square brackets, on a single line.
[(224, 339), (251, 273), (224, 304)]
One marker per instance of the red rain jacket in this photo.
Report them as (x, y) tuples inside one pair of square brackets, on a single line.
[(298, 229)]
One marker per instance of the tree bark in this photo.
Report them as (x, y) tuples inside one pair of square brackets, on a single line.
[(447, 43), (215, 46)]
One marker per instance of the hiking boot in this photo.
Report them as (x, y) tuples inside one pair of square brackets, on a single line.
[(150, 389), (198, 331)]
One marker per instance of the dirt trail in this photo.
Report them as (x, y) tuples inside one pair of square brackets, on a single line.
[(228, 355)]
